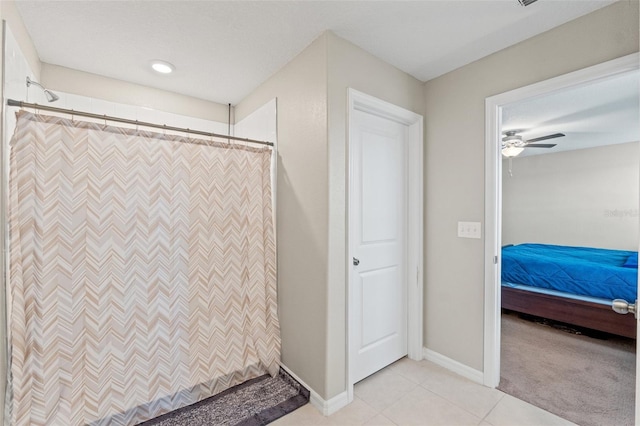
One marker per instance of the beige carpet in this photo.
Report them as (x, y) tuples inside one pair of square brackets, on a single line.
[(587, 380)]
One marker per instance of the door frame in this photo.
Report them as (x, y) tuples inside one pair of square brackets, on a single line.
[(493, 195), (358, 101)]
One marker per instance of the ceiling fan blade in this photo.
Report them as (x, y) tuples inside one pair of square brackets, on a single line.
[(540, 145), (544, 138)]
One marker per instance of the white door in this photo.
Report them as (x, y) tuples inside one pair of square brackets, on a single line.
[(378, 227)]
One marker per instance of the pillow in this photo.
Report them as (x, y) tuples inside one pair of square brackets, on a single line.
[(632, 261)]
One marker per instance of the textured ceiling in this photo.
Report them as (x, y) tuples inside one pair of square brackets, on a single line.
[(601, 113), (223, 50)]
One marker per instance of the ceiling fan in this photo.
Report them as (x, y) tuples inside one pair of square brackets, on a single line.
[(513, 143)]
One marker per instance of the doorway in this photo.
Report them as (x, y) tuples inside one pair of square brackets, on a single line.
[(495, 107), (385, 244)]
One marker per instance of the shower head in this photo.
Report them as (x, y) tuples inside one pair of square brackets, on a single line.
[(51, 97)]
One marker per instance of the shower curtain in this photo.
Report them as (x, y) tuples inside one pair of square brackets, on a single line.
[(142, 271)]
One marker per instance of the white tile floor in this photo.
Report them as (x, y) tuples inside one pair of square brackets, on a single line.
[(422, 393)]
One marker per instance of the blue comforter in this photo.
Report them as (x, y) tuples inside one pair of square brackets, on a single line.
[(577, 270)]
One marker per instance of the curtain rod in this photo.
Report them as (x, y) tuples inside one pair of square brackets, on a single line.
[(12, 102)]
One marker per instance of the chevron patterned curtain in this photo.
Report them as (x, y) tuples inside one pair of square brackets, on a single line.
[(142, 272)]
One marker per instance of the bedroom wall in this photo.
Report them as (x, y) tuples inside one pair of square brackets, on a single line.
[(454, 162), (587, 197)]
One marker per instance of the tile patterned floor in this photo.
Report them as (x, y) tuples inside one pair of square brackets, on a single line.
[(422, 393)]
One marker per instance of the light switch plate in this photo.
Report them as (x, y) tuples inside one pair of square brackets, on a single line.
[(469, 230)]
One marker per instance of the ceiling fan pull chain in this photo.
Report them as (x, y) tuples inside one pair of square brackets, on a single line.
[(510, 162)]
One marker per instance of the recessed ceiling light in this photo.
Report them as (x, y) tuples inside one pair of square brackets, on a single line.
[(162, 67)]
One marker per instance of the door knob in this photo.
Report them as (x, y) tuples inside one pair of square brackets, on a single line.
[(621, 306), (356, 262)]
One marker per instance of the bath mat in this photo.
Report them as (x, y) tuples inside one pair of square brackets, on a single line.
[(255, 402)]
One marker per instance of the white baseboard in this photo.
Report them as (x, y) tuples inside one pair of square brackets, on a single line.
[(332, 405), (326, 407), (453, 365)]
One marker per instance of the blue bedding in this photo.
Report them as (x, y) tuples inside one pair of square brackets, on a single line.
[(577, 270)]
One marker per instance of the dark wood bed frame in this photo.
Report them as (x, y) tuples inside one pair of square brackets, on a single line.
[(577, 312)]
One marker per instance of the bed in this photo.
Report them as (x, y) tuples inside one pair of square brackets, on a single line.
[(574, 285)]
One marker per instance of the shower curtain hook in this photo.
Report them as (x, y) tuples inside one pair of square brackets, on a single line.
[(137, 128), (105, 121), (164, 129)]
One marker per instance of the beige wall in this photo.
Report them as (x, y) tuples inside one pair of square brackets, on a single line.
[(95, 86), (9, 13), (302, 222), (587, 197), (454, 162)]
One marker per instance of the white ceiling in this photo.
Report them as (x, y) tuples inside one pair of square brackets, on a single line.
[(223, 50), (603, 113)]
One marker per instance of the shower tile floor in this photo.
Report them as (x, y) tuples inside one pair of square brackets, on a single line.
[(422, 393)]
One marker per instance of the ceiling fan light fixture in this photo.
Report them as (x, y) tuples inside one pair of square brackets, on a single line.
[(512, 151), (512, 140)]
